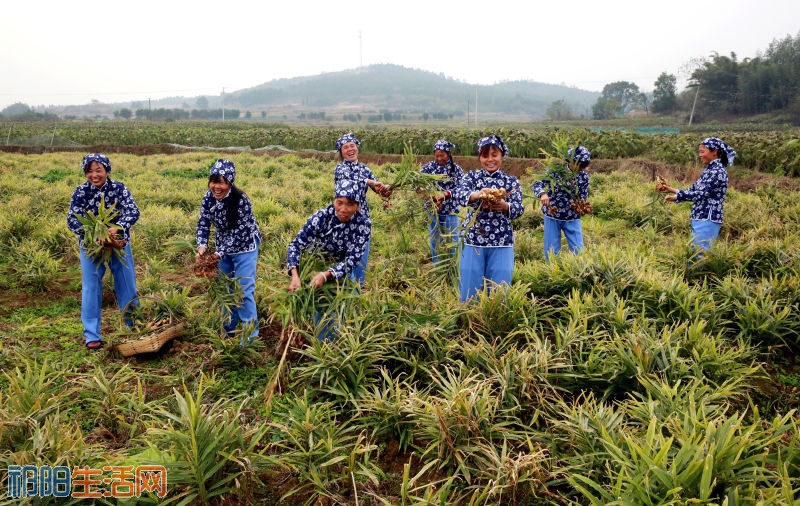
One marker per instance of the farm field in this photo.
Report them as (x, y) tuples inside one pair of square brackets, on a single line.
[(774, 151), (633, 373)]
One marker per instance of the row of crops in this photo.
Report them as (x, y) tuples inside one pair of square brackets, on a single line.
[(771, 151)]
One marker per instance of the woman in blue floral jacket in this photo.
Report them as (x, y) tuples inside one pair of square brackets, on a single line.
[(341, 233), (707, 193), (557, 204), (443, 228), (86, 199), (236, 240), (351, 170), (488, 251)]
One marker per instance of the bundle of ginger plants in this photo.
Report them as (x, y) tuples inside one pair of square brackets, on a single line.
[(564, 172), (98, 241)]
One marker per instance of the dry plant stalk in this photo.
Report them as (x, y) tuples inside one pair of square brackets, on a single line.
[(275, 382)]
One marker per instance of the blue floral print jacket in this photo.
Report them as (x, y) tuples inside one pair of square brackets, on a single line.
[(490, 229), (453, 173), (355, 171), (560, 198), (86, 198), (245, 237), (707, 193), (344, 242)]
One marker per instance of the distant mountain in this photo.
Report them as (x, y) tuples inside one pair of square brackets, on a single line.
[(394, 88), (385, 90)]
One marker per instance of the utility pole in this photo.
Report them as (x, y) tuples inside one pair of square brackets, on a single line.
[(360, 50), (476, 107), (467, 112), (694, 103), (223, 104), (149, 111)]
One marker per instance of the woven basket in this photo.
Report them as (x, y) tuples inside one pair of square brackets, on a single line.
[(151, 343)]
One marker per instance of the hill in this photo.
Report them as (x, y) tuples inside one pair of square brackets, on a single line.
[(377, 92), (408, 91)]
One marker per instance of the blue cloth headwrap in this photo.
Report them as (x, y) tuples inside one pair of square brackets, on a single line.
[(493, 140), (443, 145), (718, 145), (349, 188), (224, 168), (580, 154), (95, 157), (348, 137)]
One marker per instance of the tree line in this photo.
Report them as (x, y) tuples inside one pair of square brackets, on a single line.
[(162, 114), (719, 86)]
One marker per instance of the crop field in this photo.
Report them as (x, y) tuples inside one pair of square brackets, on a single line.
[(633, 373), (774, 151)]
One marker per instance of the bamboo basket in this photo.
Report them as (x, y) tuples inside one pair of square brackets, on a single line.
[(151, 343)]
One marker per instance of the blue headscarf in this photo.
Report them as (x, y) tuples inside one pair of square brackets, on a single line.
[(493, 140), (95, 157), (348, 137), (717, 144), (349, 188), (224, 168), (443, 145), (580, 154)]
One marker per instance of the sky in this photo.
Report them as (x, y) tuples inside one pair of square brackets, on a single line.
[(71, 53)]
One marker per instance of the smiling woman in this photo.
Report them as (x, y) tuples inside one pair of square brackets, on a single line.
[(236, 241), (487, 257), (102, 197), (360, 177), (707, 194), (340, 232)]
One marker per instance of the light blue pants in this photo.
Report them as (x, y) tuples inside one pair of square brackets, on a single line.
[(242, 265), (326, 330), (324, 316), (479, 265), (442, 231), (552, 235), (92, 273), (704, 233), (360, 270)]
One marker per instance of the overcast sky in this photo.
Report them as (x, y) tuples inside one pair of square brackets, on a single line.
[(57, 52)]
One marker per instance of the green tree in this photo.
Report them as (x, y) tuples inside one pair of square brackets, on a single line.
[(606, 108), (560, 110), (201, 103), (618, 98), (664, 94), (627, 94), (718, 80), (18, 109), (124, 113)]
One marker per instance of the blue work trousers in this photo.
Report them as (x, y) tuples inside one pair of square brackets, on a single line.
[(92, 272), (243, 266), (480, 265)]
